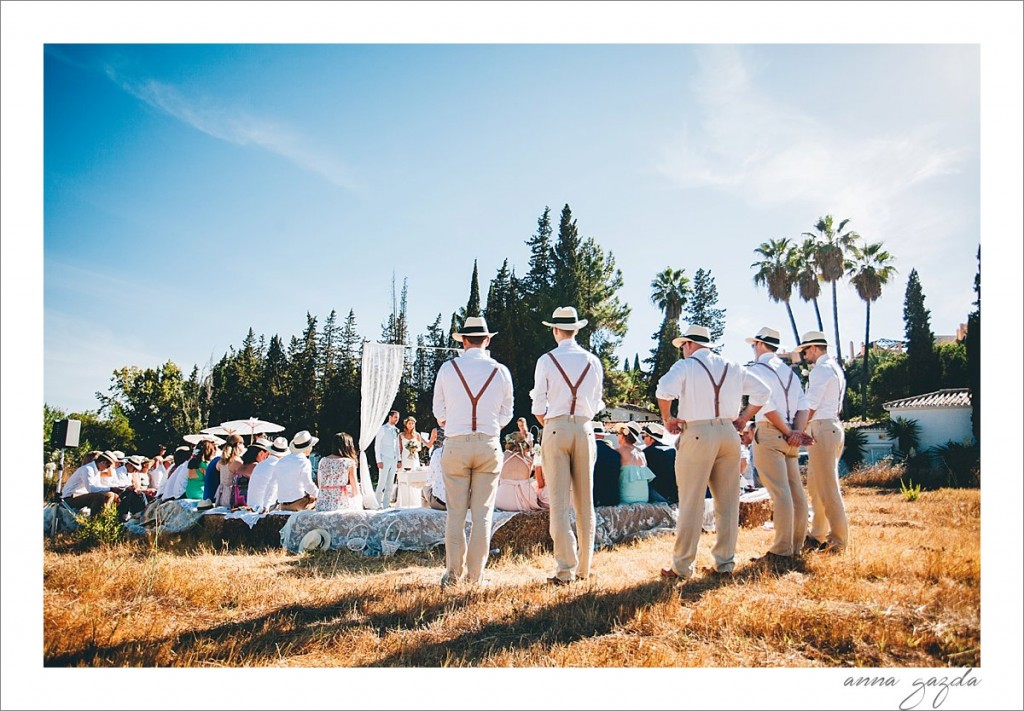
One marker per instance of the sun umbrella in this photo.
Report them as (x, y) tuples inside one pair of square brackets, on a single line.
[(197, 438), (217, 431), (251, 427)]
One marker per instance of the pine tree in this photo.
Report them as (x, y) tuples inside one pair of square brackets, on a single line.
[(663, 355), (636, 363), (701, 309), (303, 390), (275, 382), (472, 307), (922, 359), (566, 286)]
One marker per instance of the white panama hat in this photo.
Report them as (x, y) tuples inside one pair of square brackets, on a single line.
[(474, 326), (566, 318), (695, 334), (316, 539), (302, 441), (768, 336)]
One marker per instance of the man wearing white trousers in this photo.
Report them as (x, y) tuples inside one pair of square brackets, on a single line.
[(388, 451), (777, 441), (567, 394), (472, 402), (826, 386), (710, 392)]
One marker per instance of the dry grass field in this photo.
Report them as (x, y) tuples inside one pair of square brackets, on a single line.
[(906, 594)]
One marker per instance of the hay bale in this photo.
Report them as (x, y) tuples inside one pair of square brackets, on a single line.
[(756, 513), (523, 532)]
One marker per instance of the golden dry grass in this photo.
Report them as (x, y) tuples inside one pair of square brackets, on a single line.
[(906, 593)]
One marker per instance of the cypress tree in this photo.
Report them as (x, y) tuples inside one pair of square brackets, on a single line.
[(922, 361), (702, 306)]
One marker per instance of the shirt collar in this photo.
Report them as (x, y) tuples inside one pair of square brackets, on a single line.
[(477, 353), (702, 353), (766, 358), (570, 344)]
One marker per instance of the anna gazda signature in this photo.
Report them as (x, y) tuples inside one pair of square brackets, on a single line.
[(928, 692)]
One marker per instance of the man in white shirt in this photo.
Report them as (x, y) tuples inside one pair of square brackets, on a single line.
[(294, 475), (826, 386), (777, 441), (472, 402), (710, 392), (389, 451), (262, 493), (567, 394), (84, 488)]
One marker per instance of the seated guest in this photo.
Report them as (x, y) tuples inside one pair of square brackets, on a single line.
[(634, 474), (661, 459), (159, 471), (746, 468), (294, 475), (517, 490), (228, 466), (177, 478), (262, 492), (197, 466), (524, 432), (252, 456), (607, 468), (433, 492), (84, 486), (336, 475)]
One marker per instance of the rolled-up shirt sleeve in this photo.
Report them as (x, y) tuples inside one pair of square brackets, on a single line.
[(816, 385), (540, 389), (505, 411), (440, 406), (598, 391), (757, 390), (92, 482), (307, 479), (670, 385)]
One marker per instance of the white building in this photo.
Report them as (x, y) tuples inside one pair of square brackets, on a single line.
[(943, 415), (628, 413)]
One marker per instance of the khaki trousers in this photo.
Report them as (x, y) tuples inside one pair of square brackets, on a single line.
[(829, 522), (779, 469), (306, 502), (707, 454), (470, 465), (569, 451)]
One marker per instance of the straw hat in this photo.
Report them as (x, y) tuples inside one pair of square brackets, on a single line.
[(279, 448), (768, 336), (655, 431), (302, 441), (812, 338), (474, 326), (565, 318), (315, 540), (695, 334)]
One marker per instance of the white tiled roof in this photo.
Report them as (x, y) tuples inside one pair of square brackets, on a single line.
[(950, 397)]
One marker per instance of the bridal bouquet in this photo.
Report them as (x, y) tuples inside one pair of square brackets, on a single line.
[(413, 446)]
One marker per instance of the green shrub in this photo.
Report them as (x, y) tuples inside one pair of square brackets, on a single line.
[(853, 450), (105, 527), (910, 492), (961, 464), (906, 434)]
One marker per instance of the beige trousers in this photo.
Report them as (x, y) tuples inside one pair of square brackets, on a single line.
[(306, 502), (470, 465), (829, 522), (707, 454), (569, 451), (779, 469)]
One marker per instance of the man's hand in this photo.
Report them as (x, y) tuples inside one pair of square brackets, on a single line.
[(380, 465), (673, 425), (795, 439)]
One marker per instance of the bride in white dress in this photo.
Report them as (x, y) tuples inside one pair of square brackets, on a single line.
[(412, 443)]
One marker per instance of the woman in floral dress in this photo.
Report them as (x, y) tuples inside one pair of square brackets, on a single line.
[(336, 477)]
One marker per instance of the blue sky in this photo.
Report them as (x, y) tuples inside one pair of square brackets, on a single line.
[(193, 191)]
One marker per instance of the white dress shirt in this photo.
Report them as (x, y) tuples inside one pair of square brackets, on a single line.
[(690, 384), (452, 405), (262, 491), (293, 475), (825, 388), (157, 476), (175, 485), (787, 405), (552, 396), (386, 444), (85, 480), (122, 477)]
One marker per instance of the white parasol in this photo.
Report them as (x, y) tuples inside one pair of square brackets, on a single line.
[(197, 438), (251, 427)]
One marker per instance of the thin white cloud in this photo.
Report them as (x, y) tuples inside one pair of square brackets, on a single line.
[(237, 127), (751, 144)]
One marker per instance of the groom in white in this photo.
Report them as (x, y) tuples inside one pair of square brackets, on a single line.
[(388, 453)]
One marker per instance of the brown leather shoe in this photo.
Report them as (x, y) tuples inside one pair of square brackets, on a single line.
[(812, 545), (670, 574), (711, 572), (559, 582)]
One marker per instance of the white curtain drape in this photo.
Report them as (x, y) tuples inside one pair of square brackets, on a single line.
[(382, 374)]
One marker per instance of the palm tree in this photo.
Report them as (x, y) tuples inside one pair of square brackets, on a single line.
[(775, 271), (669, 291), (808, 280), (832, 244), (869, 272)]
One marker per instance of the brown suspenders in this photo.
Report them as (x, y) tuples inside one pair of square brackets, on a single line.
[(785, 388), (572, 388), (474, 399), (718, 386)]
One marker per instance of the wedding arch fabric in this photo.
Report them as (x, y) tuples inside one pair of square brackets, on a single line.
[(382, 373)]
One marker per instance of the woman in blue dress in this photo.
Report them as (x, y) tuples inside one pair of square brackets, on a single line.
[(634, 475)]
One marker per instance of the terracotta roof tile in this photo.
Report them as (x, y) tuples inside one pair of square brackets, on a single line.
[(950, 397)]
